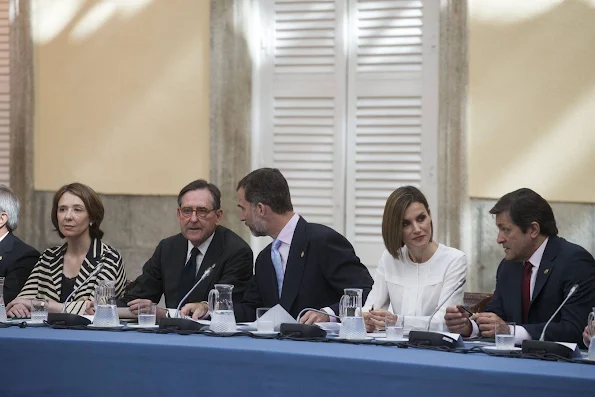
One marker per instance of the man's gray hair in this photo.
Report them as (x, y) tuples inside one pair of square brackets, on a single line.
[(9, 203)]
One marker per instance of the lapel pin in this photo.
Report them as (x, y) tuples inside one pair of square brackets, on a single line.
[(1, 256), (301, 256), (546, 271)]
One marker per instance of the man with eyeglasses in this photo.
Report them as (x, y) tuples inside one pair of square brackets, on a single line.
[(307, 266), (179, 261)]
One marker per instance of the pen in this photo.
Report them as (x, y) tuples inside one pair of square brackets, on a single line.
[(467, 310)]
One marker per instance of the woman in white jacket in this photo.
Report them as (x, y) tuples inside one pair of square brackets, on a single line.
[(415, 273)]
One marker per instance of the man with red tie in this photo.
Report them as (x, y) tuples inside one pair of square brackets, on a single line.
[(533, 279)]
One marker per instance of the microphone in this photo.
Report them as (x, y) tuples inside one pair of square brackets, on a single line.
[(204, 275), (540, 347), (305, 331), (74, 291), (71, 319), (183, 324), (429, 338), (458, 287), (570, 293)]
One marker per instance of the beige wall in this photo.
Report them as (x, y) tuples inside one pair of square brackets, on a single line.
[(121, 94), (532, 98)]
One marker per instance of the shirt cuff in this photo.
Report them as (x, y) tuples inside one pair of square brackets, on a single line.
[(332, 313), (475, 332), (207, 314), (520, 334)]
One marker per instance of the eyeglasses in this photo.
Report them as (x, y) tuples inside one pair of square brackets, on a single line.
[(201, 212)]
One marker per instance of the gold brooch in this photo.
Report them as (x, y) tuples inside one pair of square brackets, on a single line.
[(546, 271), (302, 255)]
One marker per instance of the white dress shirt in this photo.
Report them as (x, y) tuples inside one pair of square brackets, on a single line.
[(520, 333), (414, 290), (286, 237), (202, 250)]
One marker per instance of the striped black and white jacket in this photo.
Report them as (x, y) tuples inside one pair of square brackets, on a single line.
[(45, 281)]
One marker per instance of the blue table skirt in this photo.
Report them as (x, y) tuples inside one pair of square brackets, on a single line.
[(49, 362)]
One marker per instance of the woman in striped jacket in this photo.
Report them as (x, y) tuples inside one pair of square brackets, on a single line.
[(77, 212)]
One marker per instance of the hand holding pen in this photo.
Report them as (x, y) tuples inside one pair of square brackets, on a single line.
[(457, 320)]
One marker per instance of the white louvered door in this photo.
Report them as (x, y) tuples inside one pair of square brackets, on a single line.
[(4, 92), (392, 112), (347, 99), (303, 104)]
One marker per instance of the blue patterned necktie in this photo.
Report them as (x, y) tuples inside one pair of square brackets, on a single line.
[(277, 264)]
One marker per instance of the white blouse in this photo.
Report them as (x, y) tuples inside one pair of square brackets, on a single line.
[(415, 289)]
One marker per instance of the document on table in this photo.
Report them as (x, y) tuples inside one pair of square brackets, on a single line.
[(277, 314)]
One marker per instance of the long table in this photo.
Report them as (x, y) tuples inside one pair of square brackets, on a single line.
[(52, 362)]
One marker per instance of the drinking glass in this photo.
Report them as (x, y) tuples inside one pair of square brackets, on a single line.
[(39, 312), (147, 315), (504, 334), (2, 307), (266, 324), (394, 326), (591, 329)]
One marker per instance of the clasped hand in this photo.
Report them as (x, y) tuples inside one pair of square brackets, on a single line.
[(136, 304), (20, 308), (374, 319)]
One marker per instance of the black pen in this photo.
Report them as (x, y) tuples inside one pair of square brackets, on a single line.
[(467, 310)]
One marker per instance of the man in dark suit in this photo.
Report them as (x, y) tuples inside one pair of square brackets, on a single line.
[(179, 261), (307, 265), (17, 259), (533, 279)]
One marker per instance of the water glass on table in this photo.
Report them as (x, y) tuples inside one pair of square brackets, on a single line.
[(591, 331), (394, 325), (147, 315), (504, 334), (39, 312), (265, 324)]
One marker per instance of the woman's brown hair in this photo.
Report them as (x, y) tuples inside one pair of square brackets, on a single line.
[(92, 202), (392, 220)]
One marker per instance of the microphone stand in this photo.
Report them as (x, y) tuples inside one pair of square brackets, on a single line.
[(184, 324), (71, 319), (540, 347), (436, 339)]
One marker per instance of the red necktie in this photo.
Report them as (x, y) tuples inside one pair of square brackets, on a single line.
[(526, 291)]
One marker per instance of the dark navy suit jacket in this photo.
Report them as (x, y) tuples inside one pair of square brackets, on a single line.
[(321, 263), (563, 264)]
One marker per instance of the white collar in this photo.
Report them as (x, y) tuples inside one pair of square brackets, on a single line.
[(202, 248), (286, 234), (538, 254)]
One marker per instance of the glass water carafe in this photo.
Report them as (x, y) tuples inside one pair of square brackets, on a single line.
[(350, 311), (2, 307), (106, 314), (221, 309)]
